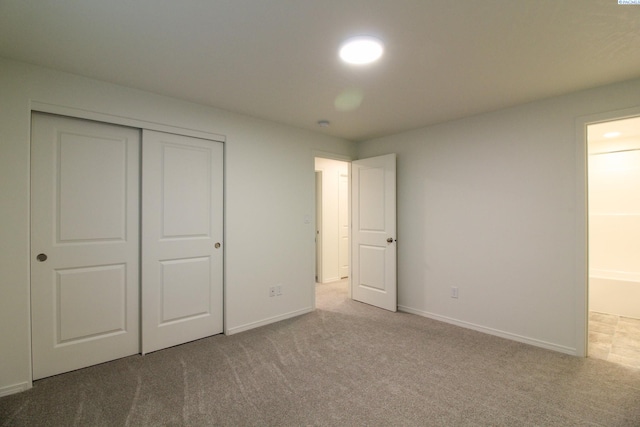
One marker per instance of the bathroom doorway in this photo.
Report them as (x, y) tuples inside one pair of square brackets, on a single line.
[(613, 164)]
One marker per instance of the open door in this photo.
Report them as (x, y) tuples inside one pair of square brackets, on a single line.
[(373, 248)]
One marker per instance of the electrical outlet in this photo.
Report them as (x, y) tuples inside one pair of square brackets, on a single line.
[(279, 290), (454, 292), (272, 291)]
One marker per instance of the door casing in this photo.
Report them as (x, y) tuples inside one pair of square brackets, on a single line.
[(581, 285)]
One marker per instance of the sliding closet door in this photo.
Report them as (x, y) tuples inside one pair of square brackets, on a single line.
[(181, 239), (84, 243)]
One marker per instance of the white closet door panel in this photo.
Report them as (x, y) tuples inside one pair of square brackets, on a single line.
[(181, 239), (185, 289), (84, 218)]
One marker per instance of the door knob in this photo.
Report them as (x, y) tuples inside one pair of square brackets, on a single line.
[(390, 240), (217, 245), (41, 257)]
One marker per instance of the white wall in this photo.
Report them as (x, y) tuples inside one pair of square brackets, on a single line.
[(269, 190), (493, 205), (331, 215), (614, 232)]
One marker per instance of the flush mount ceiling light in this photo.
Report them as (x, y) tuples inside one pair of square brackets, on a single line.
[(612, 134), (361, 50)]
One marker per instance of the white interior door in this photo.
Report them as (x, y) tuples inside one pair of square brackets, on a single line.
[(343, 225), (373, 250), (84, 243), (319, 275), (182, 195)]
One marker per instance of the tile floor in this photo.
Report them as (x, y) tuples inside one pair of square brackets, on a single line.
[(614, 338)]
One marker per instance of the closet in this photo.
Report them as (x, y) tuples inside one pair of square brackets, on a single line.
[(126, 235)]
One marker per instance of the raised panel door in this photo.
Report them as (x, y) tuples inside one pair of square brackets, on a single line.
[(84, 221), (181, 239), (373, 252)]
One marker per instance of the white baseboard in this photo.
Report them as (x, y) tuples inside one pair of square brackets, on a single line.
[(491, 331), (13, 389), (268, 321)]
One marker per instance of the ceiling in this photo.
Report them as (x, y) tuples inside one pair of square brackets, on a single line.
[(277, 59)]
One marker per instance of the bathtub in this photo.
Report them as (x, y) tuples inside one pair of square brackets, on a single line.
[(614, 292)]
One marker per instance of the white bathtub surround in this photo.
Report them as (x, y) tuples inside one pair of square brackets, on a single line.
[(614, 292)]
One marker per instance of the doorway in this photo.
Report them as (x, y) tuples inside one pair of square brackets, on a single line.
[(613, 183), (364, 207), (332, 220)]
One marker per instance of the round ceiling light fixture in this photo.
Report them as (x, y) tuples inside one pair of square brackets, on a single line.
[(361, 50)]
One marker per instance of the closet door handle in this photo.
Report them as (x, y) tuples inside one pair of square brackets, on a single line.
[(41, 257)]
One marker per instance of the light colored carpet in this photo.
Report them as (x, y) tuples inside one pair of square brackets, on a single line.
[(346, 364)]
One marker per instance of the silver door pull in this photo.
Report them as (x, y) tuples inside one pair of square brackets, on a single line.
[(41, 257)]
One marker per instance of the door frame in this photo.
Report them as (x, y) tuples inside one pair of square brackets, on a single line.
[(342, 158), (582, 221), (76, 113), (318, 225)]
